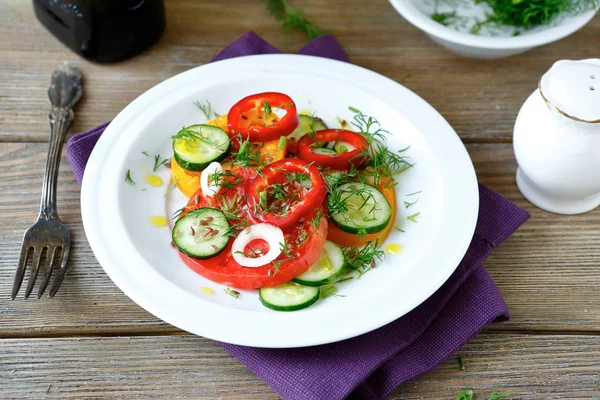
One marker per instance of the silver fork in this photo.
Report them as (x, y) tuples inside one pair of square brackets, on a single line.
[(48, 234)]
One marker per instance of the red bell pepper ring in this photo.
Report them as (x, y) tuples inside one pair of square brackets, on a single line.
[(255, 128), (307, 201), (338, 161)]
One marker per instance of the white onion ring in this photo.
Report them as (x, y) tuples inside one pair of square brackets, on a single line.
[(267, 232), (212, 189)]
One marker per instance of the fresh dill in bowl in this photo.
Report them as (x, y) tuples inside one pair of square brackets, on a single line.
[(506, 17)]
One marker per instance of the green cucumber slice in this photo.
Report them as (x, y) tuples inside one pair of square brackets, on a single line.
[(307, 124), (201, 233), (324, 151), (196, 146), (343, 147), (357, 207), (328, 267), (289, 297)]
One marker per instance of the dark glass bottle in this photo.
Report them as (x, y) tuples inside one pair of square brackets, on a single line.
[(103, 30)]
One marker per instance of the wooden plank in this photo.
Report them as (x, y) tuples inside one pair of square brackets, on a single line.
[(548, 271), (479, 98), (549, 367)]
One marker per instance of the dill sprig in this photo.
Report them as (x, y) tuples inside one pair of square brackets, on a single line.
[(158, 162), (247, 155), (128, 177), (293, 18), (205, 108), (383, 163), (363, 260)]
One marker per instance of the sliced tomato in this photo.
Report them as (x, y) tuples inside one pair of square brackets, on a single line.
[(304, 239), (224, 269)]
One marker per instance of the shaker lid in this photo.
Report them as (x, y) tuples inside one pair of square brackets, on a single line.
[(573, 88)]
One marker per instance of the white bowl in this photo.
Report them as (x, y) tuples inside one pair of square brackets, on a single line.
[(487, 47)]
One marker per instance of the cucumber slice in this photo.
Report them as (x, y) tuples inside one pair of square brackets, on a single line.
[(307, 124), (343, 147), (289, 297), (324, 151), (328, 267), (357, 207), (201, 233), (196, 146)]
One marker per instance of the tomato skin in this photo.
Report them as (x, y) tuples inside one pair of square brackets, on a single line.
[(339, 161), (274, 173), (225, 270), (262, 133)]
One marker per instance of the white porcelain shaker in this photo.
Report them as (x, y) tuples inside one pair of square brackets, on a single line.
[(557, 139)]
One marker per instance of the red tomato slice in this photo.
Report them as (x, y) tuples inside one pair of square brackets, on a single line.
[(224, 269), (305, 240)]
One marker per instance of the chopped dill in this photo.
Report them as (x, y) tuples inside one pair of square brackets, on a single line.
[(173, 186), (413, 217), (519, 14), (178, 213), (412, 194), (145, 153), (233, 293), (316, 221), (461, 363), (408, 204), (247, 155), (468, 394), (158, 162), (128, 178), (228, 207), (286, 252)]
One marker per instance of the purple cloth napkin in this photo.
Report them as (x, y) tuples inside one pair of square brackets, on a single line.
[(372, 365)]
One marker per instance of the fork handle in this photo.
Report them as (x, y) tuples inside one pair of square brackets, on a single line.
[(60, 120)]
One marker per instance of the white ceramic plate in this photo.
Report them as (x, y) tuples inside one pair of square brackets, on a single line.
[(138, 256)]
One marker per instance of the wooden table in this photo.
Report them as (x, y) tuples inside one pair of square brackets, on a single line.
[(92, 341)]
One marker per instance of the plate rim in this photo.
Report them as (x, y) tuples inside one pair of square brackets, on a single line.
[(111, 268)]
